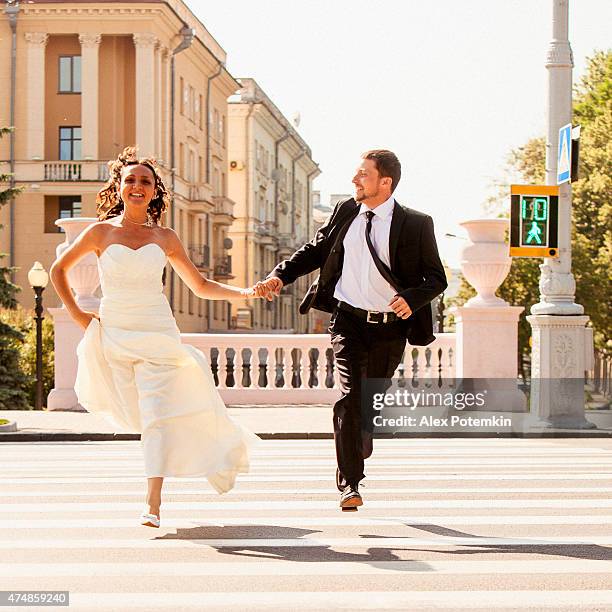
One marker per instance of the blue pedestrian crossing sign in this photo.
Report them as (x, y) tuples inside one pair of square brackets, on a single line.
[(564, 155)]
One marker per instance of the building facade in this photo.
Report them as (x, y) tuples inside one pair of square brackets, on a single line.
[(91, 78), (270, 179)]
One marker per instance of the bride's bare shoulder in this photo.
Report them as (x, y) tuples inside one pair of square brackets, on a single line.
[(96, 233), (100, 229), (167, 234), (170, 240)]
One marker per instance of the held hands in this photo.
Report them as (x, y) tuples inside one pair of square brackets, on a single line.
[(400, 307), (84, 317), (265, 289)]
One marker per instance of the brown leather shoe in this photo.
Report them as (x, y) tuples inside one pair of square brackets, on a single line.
[(350, 497)]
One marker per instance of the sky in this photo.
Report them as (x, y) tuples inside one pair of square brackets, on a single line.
[(451, 87)]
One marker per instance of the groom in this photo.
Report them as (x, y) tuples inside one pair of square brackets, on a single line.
[(379, 271)]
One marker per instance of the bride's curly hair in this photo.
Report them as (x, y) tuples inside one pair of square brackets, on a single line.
[(108, 201)]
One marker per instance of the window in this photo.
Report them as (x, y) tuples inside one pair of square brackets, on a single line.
[(69, 74), (181, 96), (191, 176), (215, 184), (223, 134), (191, 103), (60, 207), (69, 206), (200, 113), (70, 143), (215, 125)]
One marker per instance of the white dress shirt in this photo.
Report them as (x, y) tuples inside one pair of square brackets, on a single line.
[(361, 284)]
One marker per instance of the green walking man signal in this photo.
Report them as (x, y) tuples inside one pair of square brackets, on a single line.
[(533, 220), (534, 234)]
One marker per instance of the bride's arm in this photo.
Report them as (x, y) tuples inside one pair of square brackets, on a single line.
[(202, 287), (85, 243)]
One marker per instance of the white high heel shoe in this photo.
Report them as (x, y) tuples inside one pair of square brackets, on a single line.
[(149, 520)]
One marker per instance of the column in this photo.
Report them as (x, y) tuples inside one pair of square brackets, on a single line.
[(35, 102), (167, 105), (158, 98), (145, 92), (90, 47)]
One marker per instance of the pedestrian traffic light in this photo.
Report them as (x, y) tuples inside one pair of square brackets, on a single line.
[(533, 220)]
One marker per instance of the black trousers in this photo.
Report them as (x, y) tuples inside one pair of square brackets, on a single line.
[(362, 350)]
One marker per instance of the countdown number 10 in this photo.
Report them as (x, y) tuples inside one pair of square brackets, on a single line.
[(538, 208)]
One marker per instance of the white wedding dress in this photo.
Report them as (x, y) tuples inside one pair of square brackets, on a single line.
[(134, 370)]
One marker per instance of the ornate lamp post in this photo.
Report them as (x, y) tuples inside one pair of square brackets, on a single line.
[(562, 344), (38, 279)]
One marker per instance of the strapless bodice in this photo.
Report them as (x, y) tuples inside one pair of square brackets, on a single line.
[(132, 289), (131, 274)]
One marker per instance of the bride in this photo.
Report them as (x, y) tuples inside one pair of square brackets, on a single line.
[(132, 367)]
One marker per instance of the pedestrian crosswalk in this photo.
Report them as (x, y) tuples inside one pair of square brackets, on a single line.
[(446, 524)]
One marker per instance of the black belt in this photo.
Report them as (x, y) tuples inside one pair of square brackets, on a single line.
[(370, 316)]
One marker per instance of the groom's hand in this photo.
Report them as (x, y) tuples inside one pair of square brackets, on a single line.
[(269, 288), (400, 307)]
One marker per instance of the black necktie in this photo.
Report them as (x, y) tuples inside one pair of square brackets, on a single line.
[(384, 270)]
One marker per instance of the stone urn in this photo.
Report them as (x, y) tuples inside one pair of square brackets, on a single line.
[(485, 261), (83, 278)]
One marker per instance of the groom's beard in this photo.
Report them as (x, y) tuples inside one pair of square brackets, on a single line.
[(360, 196)]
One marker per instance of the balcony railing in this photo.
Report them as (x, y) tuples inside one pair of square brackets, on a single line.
[(200, 192), (223, 205), (63, 171), (223, 265), (300, 368), (200, 255), (75, 171)]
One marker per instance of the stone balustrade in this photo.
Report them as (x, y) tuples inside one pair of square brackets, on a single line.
[(35, 171), (299, 368)]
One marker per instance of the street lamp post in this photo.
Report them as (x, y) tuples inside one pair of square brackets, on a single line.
[(559, 355), (38, 279)]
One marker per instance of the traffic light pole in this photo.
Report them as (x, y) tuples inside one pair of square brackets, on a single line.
[(559, 355)]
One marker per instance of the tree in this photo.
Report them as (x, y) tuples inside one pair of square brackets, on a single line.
[(591, 211), (13, 381), (592, 197)]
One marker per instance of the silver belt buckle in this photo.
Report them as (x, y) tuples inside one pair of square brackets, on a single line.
[(375, 312)]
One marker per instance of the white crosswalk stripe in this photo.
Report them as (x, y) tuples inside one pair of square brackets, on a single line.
[(446, 524)]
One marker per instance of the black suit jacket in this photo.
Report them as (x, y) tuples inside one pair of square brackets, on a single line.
[(413, 254)]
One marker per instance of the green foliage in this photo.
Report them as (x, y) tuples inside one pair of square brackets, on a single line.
[(28, 357), (25, 323), (13, 381), (592, 197), (7, 194)]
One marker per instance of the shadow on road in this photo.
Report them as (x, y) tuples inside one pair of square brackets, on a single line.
[(374, 555), (302, 554)]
